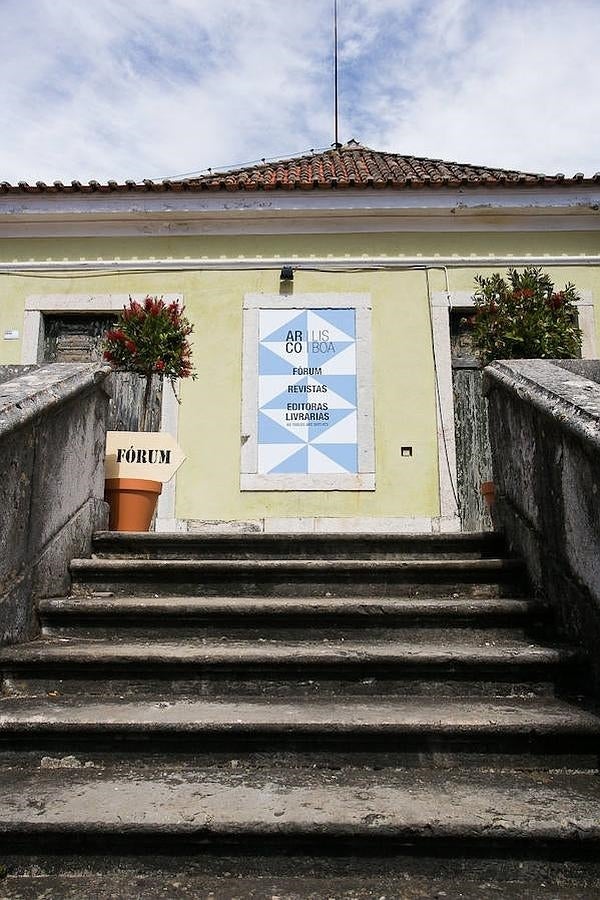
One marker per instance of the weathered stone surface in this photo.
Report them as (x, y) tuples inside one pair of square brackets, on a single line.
[(24, 398), (9, 373), (17, 455), (284, 654), (545, 435), (424, 806), (18, 616), (295, 725), (281, 577), (185, 545), (505, 881), (587, 368), (50, 573), (52, 426), (69, 465), (453, 717)]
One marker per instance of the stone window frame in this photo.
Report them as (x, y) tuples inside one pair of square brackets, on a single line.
[(365, 479)]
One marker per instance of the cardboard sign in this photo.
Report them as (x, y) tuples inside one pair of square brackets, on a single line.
[(142, 454)]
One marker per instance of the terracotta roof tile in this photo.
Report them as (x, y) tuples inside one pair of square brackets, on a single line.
[(348, 166)]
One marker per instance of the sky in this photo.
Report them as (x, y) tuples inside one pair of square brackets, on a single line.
[(134, 89)]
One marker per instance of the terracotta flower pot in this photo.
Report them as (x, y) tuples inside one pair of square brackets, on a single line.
[(488, 489), (132, 502)]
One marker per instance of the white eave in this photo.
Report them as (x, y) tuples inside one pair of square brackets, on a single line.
[(568, 207)]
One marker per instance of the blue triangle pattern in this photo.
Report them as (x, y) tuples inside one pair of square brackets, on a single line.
[(344, 385), (271, 364), (298, 323), (319, 359), (296, 464), (335, 416), (269, 432), (281, 401), (345, 455), (342, 319)]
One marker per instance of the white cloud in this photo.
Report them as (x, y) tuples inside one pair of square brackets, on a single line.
[(149, 88), (506, 84)]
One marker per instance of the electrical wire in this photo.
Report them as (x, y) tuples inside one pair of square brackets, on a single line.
[(208, 170)]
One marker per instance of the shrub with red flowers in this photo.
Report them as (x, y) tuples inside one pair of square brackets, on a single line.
[(151, 339), (524, 317)]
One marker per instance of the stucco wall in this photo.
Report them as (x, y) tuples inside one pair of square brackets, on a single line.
[(404, 386)]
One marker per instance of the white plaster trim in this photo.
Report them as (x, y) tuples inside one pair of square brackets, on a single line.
[(169, 424), (307, 301), (185, 203), (446, 437), (327, 525), (310, 263), (250, 480), (461, 221), (441, 304), (32, 350), (255, 482)]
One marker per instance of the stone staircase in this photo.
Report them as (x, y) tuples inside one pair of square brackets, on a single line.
[(297, 716)]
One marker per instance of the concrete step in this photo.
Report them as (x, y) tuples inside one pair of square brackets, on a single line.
[(289, 618), (416, 654), (154, 545), (31, 681), (416, 724), (284, 612), (297, 633), (495, 577), (329, 668), (353, 810)]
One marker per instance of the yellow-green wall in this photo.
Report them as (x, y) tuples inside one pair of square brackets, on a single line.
[(404, 386)]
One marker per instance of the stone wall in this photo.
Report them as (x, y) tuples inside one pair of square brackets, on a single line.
[(52, 437), (544, 423)]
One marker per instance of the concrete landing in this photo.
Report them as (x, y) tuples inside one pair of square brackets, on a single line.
[(431, 806), (399, 886)]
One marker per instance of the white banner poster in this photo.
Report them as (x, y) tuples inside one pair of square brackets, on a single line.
[(307, 392)]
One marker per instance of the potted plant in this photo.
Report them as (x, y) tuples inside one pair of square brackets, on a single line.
[(149, 339)]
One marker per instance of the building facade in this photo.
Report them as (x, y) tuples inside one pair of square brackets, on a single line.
[(326, 293)]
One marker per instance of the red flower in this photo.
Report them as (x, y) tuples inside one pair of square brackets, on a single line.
[(159, 366)]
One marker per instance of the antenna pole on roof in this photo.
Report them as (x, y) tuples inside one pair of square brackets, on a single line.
[(335, 74)]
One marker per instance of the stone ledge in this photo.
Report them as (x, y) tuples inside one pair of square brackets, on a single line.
[(571, 399), (26, 397)]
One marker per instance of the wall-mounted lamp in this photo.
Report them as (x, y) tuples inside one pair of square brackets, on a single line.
[(287, 273)]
